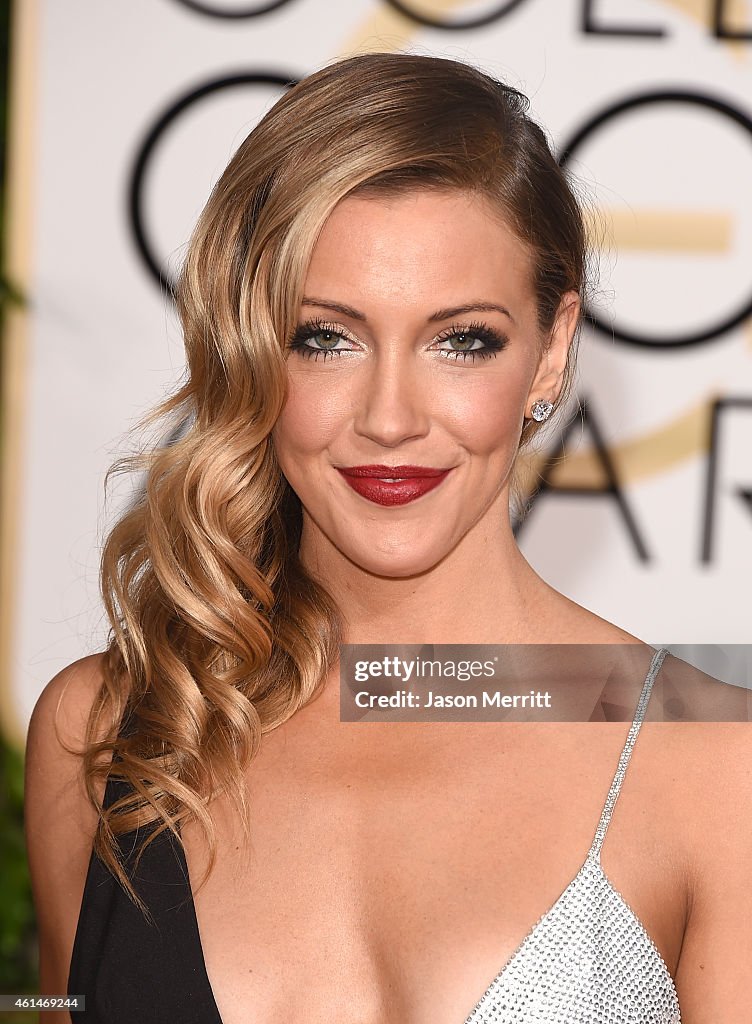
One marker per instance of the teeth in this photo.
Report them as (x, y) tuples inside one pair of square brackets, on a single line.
[(393, 479)]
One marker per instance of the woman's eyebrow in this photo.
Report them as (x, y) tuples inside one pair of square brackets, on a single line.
[(440, 314), (336, 307), (471, 307)]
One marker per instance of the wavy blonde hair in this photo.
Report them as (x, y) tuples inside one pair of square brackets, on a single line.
[(218, 634)]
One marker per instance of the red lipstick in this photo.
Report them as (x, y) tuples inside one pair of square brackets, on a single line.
[(392, 485)]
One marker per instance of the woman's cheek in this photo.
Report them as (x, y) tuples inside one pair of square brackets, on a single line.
[(313, 415), (487, 419)]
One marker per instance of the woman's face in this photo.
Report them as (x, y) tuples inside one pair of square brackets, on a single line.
[(418, 346)]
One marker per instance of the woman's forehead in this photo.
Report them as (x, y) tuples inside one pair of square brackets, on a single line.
[(420, 245)]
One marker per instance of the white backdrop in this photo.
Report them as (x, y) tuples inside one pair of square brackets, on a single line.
[(99, 343)]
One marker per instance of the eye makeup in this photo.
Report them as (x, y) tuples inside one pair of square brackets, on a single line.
[(313, 330), (493, 341), (468, 335)]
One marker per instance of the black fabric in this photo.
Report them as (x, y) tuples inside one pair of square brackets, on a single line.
[(130, 970)]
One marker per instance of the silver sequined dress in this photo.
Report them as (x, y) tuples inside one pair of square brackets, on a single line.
[(588, 960)]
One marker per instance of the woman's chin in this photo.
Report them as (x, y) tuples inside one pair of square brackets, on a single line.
[(399, 564), (397, 552)]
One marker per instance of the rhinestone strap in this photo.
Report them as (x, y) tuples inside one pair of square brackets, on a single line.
[(608, 810)]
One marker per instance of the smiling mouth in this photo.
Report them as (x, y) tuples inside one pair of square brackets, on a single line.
[(379, 485)]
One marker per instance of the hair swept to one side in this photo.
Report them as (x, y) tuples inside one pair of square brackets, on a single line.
[(218, 634)]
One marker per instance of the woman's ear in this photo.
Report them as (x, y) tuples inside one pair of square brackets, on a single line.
[(548, 378)]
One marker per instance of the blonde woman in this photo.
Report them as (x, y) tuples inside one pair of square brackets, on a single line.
[(380, 305)]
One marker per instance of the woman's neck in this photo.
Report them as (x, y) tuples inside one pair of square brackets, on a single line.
[(483, 591)]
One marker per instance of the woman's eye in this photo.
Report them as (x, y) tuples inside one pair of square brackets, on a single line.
[(464, 342), (471, 342), (314, 341), (326, 340)]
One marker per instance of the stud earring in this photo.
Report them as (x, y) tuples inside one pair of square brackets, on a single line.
[(541, 409)]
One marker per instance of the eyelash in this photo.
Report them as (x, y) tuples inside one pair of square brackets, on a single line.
[(493, 341)]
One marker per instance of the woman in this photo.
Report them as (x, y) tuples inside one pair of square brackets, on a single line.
[(380, 305)]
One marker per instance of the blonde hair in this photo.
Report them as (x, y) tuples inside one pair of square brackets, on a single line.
[(218, 634)]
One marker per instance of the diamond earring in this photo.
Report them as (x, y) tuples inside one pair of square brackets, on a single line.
[(541, 409)]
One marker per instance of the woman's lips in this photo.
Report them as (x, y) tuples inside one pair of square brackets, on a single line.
[(393, 485)]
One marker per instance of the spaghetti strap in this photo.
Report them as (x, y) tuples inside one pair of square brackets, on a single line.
[(613, 793)]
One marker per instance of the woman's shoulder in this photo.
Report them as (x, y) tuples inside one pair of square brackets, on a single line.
[(55, 793), (65, 702), (60, 820), (707, 725), (57, 730), (688, 694)]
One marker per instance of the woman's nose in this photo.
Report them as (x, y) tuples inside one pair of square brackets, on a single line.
[(391, 402)]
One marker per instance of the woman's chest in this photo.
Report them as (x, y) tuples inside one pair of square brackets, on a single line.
[(382, 892)]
